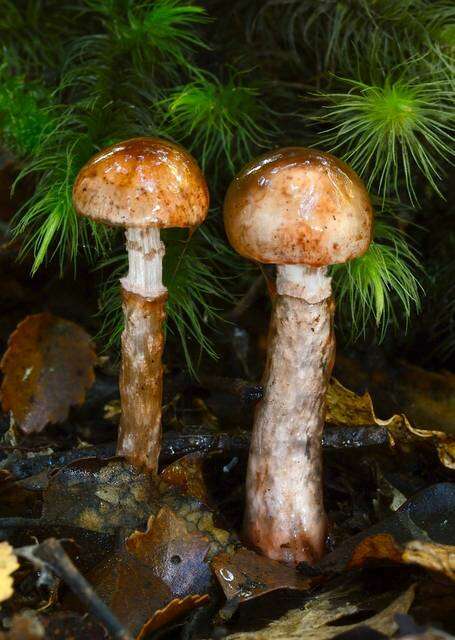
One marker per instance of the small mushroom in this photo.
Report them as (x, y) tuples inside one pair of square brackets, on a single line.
[(143, 185), (302, 210)]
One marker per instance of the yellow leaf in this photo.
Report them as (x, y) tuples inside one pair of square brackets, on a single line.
[(8, 564)]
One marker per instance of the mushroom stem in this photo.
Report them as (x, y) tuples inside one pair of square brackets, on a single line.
[(141, 375), (285, 515), (145, 259)]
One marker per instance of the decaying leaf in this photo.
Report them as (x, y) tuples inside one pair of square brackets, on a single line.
[(108, 495), (430, 555), (25, 626), (8, 565), (427, 398), (99, 495), (428, 517), (244, 575), (187, 474), (157, 575), (317, 619), (177, 608), (346, 408), (47, 368), (67, 625), (63, 625)]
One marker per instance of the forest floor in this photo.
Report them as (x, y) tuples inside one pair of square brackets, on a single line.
[(94, 549)]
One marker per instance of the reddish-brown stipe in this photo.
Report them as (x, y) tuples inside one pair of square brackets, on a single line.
[(141, 380)]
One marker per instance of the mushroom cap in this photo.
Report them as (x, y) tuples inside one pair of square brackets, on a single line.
[(298, 206), (143, 182)]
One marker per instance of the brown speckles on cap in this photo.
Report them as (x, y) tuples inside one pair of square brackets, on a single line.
[(298, 206), (143, 182)]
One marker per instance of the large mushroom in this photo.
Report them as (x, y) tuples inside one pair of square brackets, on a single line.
[(302, 210), (143, 184)]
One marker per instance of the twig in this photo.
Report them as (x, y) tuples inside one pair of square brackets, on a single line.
[(179, 443), (50, 556)]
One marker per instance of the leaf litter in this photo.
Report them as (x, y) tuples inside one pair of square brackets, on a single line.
[(172, 545)]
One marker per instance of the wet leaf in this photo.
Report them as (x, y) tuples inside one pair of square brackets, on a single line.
[(47, 368), (99, 495), (67, 625), (427, 517), (177, 608), (157, 575), (8, 565), (107, 495), (186, 473), (244, 575), (320, 618), (430, 555), (25, 626), (426, 397), (63, 625), (346, 408)]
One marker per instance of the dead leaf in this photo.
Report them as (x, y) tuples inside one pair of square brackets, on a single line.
[(426, 397), (64, 625), (99, 495), (177, 608), (430, 555), (379, 547), (186, 473), (427, 517), (346, 408), (8, 565), (67, 625), (25, 626), (434, 557), (107, 495), (317, 619), (157, 575), (245, 575), (47, 368)]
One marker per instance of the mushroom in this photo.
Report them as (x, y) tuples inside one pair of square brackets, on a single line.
[(302, 210), (143, 184)]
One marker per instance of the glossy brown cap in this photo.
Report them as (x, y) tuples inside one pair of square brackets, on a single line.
[(143, 182), (298, 206)]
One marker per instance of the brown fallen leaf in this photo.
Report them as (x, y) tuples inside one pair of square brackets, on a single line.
[(64, 625), (8, 565), (108, 495), (47, 368), (430, 555), (25, 626), (177, 608), (186, 473), (427, 398), (67, 625), (346, 408), (319, 619), (157, 575), (99, 495), (244, 575)]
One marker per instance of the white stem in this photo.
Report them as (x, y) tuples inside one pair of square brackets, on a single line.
[(145, 258), (284, 515), (312, 284)]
